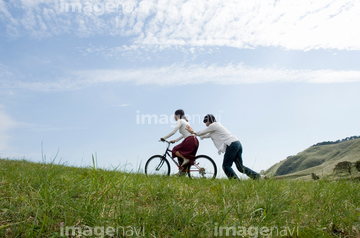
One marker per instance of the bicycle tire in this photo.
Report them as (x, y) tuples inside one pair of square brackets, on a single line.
[(157, 165), (207, 164)]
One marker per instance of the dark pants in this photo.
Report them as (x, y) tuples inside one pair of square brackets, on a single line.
[(233, 154)]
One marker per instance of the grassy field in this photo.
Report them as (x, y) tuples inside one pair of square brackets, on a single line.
[(48, 200)]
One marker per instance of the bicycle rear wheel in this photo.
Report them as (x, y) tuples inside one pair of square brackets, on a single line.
[(204, 167), (157, 165)]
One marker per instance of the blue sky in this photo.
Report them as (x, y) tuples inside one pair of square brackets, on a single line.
[(76, 76)]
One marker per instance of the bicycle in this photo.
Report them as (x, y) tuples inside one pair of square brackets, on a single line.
[(201, 167)]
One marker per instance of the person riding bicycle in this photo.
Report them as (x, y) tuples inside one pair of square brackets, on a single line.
[(226, 143), (186, 150)]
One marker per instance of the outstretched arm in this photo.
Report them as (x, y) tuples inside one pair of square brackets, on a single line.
[(202, 135), (173, 131), (205, 133), (178, 139), (205, 136)]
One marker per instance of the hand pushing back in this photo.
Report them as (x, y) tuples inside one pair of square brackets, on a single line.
[(190, 129)]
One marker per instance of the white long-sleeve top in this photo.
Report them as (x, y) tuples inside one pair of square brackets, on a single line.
[(181, 126), (219, 135)]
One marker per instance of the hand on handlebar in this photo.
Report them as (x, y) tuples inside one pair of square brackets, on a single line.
[(163, 140)]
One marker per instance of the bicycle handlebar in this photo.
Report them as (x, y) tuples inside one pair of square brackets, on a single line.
[(165, 141)]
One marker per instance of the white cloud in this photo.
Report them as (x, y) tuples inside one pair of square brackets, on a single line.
[(176, 75), (200, 74), (3, 10), (297, 24)]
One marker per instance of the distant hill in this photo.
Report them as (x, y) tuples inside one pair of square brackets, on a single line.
[(320, 159), (338, 141)]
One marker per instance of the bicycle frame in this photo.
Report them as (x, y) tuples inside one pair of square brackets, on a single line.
[(167, 153), (202, 166)]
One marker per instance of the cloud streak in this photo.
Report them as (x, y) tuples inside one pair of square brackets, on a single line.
[(297, 25), (177, 75)]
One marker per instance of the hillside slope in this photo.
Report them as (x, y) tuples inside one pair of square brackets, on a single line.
[(319, 159)]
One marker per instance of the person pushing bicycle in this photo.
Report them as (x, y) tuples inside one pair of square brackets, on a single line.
[(226, 143)]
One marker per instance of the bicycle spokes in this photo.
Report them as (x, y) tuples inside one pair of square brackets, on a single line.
[(204, 167), (160, 165), (157, 165)]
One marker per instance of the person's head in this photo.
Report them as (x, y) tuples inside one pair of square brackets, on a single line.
[(208, 119), (180, 114)]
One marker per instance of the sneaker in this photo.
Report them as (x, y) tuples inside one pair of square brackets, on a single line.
[(186, 161), (180, 174)]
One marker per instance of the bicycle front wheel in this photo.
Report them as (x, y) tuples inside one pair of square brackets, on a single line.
[(157, 165), (204, 167)]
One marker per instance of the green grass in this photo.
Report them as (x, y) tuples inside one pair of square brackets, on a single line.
[(41, 200)]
